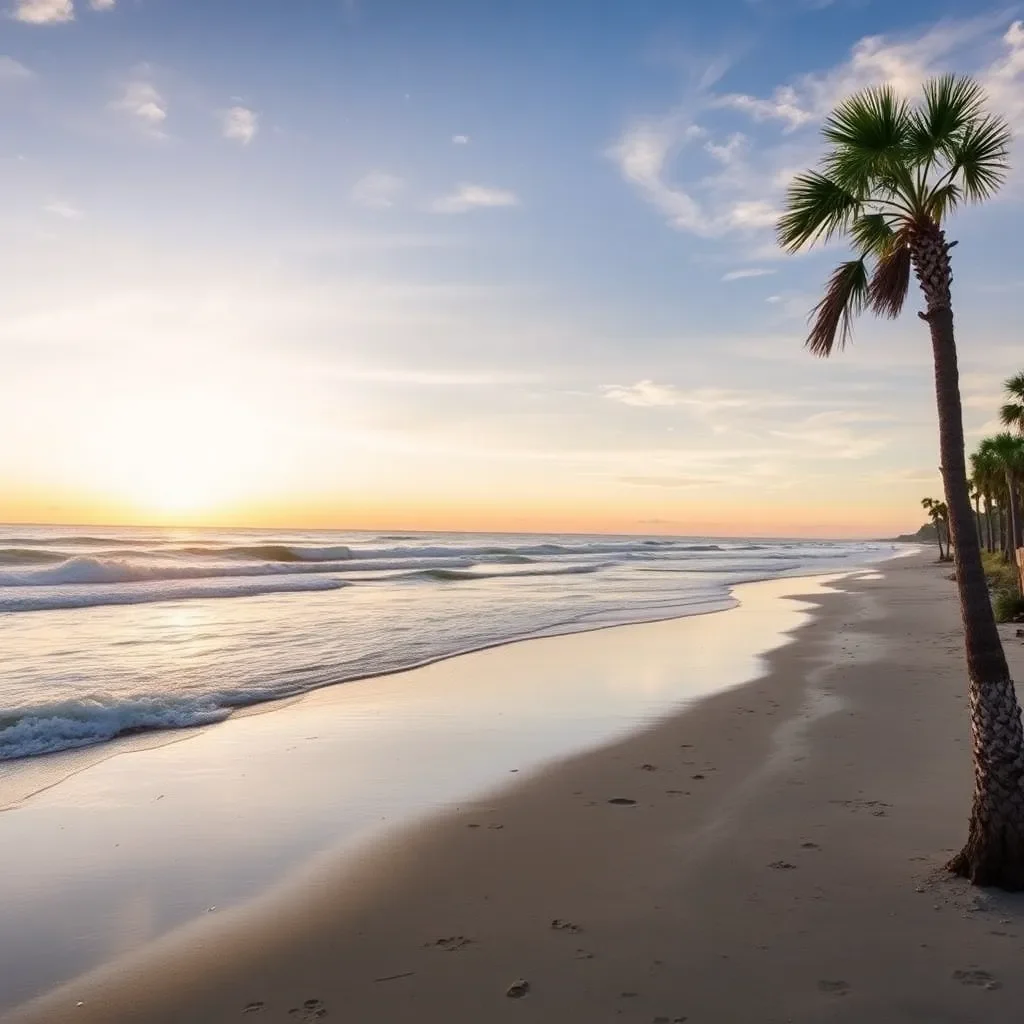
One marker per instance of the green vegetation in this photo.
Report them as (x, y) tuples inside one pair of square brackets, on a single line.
[(890, 178), (1008, 606)]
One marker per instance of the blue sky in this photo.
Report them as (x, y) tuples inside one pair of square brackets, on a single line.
[(377, 262)]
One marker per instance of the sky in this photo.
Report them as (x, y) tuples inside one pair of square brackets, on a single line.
[(466, 265)]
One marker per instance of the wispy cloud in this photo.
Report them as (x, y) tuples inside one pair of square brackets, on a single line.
[(377, 190), (102, 5), (670, 481), (142, 102), (460, 140), (43, 12), (714, 185), (12, 70), (745, 272), (474, 197), (59, 208), (643, 393), (240, 124), (704, 400)]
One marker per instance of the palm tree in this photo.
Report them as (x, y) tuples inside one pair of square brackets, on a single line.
[(937, 514), (1012, 413), (984, 475), (891, 176), (975, 495), (1007, 452)]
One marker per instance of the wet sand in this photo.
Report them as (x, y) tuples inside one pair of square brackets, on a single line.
[(771, 854)]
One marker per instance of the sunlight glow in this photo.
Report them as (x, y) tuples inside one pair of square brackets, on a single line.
[(177, 458)]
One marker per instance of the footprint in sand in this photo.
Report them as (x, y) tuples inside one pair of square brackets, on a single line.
[(451, 944), (782, 865), (309, 1012), (837, 988), (622, 801), (254, 1007), (565, 926), (648, 767), (977, 978)]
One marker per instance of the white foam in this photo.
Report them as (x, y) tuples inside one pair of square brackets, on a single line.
[(54, 598)]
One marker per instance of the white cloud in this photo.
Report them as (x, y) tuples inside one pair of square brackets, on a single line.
[(642, 154), (460, 140), (142, 102), (745, 272), (784, 106), (43, 12), (648, 394), (643, 393), (729, 152), (727, 185), (904, 64), (102, 5), (240, 124), (12, 70), (474, 197), (377, 190), (59, 208)]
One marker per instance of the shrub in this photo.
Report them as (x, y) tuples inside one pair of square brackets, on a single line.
[(1008, 606)]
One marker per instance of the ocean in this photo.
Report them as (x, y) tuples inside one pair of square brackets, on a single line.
[(114, 630)]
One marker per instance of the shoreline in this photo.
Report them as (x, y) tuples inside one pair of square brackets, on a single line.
[(135, 737), (537, 702), (13, 792), (787, 873)]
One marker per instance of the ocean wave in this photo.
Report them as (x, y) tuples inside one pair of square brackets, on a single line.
[(92, 720), (30, 556), (56, 598), (476, 574), (87, 570)]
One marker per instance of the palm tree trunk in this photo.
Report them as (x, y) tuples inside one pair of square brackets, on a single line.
[(994, 852), (977, 519), (988, 524), (1015, 523)]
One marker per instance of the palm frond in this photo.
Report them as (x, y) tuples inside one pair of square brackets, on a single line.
[(869, 135), (1012, 415), (981, 157), (1014, 386), (950, 103), (832, 317), (890, 280), (942, 200), (1006, 449), (872, 233), (816, 209)]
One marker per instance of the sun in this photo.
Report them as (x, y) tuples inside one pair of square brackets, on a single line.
[(177, 458)]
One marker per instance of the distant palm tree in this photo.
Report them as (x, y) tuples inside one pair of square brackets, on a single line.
[(891, 176), (985, 475), (976, 498), (1012, 413), (937, 513), (1006, 450)]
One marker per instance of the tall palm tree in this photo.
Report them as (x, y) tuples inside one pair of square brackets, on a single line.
[(1007, 452), (891, 176), (1012, 413)]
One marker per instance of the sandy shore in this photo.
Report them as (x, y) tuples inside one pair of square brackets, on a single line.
[(771, 854)]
